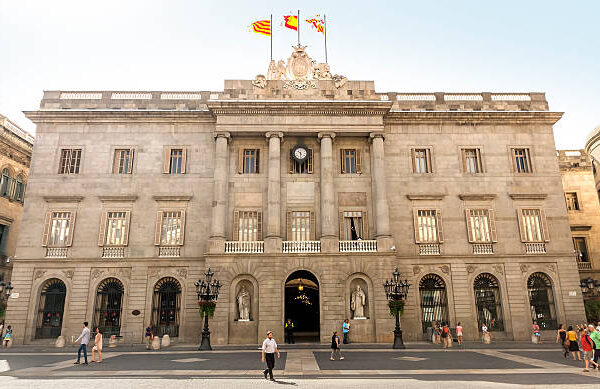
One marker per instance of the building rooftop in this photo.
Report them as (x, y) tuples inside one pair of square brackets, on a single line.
[(15, 130)]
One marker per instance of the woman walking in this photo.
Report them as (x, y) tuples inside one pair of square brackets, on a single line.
[(97, 346), (537, 335), (436, 333), (561, 336), (459, 334), (445, 332), (335, 346), (587, 344), (573, 345), (7, 337)]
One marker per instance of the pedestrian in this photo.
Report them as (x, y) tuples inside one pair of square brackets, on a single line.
[(587, 344), (269, 348), (561, 336), (573, 345), (537, 335), (148, 337), (595, 336), (97, 346), (1, 328), (436, 333), (444, 335), (486, 336), (289, 331), (7, 337), (85, 339), (459, 334), (335, 346), (346, 331)]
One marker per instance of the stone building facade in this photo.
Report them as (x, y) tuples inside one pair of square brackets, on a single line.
[(16, 146), (303, 193)]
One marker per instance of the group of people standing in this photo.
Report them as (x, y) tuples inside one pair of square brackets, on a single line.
[(442, 334), (589, 338)]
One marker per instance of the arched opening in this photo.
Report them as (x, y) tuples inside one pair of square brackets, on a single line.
[(541, 301), (434, 301), (302, 305), (107, 312), (6, 183), (19, 191), (51, 309), (488, 302), (166, 303)]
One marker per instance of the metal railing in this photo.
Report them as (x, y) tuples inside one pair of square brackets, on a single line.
[(429, 249), (360, 246), (245, 247), (584, 265), (306, 246)]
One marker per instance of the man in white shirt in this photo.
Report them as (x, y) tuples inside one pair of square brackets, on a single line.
[(269, 348), (85, 339)]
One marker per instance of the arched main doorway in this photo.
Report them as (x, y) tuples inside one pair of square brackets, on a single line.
[(488, 302), (302, 305), (107, 313), (541, 300), (166, 303), (51, 309), (434, 302)]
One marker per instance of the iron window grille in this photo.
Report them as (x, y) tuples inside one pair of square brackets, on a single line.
[(434, 301), (541, 301), (488, 302), (51, 309)]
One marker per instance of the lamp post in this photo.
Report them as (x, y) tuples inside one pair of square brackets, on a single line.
[(590, 289), (5, 291), (396, 291), (208, 292)]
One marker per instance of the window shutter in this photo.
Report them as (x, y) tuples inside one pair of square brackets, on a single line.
[(257, 164), (46, 234), (365, 225), (479, 160), (463, 153), (310, 161), (342, 162), (166, 160), (102, 232), (412, 158), (183, 160), (440, 228), (342, 227), (492, 219), (289, 225), (182, 227), (469, 226), (291, 163), (116, 159), (545, 232), (236, 226), (259, 219), (416, 224), (71, 228), (358, 161), (513, 154), (429, 164), (240, 160), (529, 161), (521, 227), (131, 159), (127, 228), (312, 226), (157, 231)]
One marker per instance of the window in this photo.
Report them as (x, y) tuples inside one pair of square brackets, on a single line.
[(471, 159), (58, 231), (51, 309), (170, 227), (421, 161), (352, 225), (350, 161), (481, 225), (488, 302), (166, 304), (175, 160), (434, 302), (428, 228), (249, 161), (4, 229), (572, 202), (247, 226), (70, 160), (532, 224), (115, 227), (541, 301), (300, 225), (522, 160), (305, 167), (580, 246), (6, 183), (107, 311), (123, 162), (19, 192)]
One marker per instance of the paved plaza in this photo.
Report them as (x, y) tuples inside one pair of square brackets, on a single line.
[(474, 366)]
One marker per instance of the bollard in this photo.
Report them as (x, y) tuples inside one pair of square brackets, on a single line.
[(112, 342), (166, 341), (60, 342), (156, 343)]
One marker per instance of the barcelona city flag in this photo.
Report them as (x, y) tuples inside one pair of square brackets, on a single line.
[(317, 23), (291, 21), (262, 27)]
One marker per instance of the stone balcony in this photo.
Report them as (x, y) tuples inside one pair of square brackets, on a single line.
[(358, 246), (584, 265), (307, 246)]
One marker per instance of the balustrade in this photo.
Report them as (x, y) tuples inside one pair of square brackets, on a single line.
[(169, 251), (306, 246), (535, 248), (483, 248), (429, 249), (113, 252), (244, 247), (360, 246), (57, 252)]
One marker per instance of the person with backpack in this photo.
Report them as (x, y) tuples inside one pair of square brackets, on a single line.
[(587, 344), (335, 346)]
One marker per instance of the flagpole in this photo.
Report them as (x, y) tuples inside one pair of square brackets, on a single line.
[(298, 26), (325, 31), (271, 36)]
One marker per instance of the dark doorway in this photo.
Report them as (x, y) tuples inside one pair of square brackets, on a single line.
[(107, 314), (50, 309), (302, 305), (166, 302)]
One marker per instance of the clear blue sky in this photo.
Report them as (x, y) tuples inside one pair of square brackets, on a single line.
[(404, 46)]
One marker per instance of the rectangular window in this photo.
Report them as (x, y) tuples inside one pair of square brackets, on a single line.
[(70, 160), (421, 161), (123, 161), (532, 223), (247, 226), (572, 202), (59, 229), (428, 226), (350, 161), (305, 167), (522, 160), (176, 161), (472, 161), (249, 161), (171, 229), (300, 226), (352, 225), (581, 249), (481, 225), (4, 229), (116, 228)]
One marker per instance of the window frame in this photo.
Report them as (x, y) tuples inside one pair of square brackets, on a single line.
[(158, 231), (428, 159), (104, 227), (310, 163), (311, 223), (117, 160), (60, 160), (478, 156), (587, 248), (235, 232), (438, 224), (48, 229), (364, 222), (545, 233), (167, 167), (491, 223), (357, 160), (579, 208), (10, 179), (528, 156), (242, 160)]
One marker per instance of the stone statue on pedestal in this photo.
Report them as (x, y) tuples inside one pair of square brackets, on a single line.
[(243, 301), (357, 302)]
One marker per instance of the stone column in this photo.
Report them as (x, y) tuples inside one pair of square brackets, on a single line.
[(273, 236), (220, 193), (329, 220), (380, 204)]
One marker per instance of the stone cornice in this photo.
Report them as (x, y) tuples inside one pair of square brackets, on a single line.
[(119, 115), (477, 196), (578, 227), (118, 198), (172, 197), (6, 219), (472, 117), (63, 199), (432, 196), (305, 107), (528, 196)]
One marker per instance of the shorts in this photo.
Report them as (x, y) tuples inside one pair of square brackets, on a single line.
[(588, 355)]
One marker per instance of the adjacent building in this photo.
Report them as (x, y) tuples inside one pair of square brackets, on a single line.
[(302, 191)]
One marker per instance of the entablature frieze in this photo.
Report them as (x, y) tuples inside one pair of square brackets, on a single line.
[(472, 117)]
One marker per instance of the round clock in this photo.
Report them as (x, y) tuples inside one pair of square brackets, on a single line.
[(300, 153)]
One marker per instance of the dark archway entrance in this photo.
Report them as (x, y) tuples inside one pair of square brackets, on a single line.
[(50, 309), (302, 305)]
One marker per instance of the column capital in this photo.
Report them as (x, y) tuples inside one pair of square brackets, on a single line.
[(273, 134), (377, 134), (327, 134), (223, 134)]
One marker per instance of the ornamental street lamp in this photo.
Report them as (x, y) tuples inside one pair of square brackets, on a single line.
[(208, 292), (396, 292), (590, 288), (5, 289)]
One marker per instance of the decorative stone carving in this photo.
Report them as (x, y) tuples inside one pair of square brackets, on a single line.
[(358, 301), (417, 269), (299, 84), (524, 268), (471, 269), (339, 81), (321, 72), (551, 268), (69, 273), (125, 272), (260, 81), (96, 273), (445, 269), (182, 273), (498, 269), (154, 272), (243, 301), (299, 65), (39, 274)]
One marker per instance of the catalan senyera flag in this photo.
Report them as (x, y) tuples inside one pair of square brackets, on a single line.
[(262, 27), (317, 23), (291, 21)]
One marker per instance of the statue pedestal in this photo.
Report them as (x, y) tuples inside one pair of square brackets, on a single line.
[(243, 319), (359, 318)]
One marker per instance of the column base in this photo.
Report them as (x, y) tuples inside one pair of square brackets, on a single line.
[(330, 244), (216, 245), (384, 243), (273, 244)]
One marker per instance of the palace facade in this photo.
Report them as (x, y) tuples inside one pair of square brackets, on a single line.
[(295, 189)]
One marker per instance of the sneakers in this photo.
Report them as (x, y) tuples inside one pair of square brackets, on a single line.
[(331, 359), (341, 358), (76, 363), (265, 373)]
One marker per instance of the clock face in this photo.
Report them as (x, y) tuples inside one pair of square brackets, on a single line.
[(300, 153)]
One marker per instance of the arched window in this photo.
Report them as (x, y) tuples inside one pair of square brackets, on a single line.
[(51, 309), (19, 191), (488, 302), (6, 183), (541, 301), (107, 313), (434, 302), (166, 303)]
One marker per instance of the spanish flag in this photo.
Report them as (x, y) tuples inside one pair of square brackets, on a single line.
[(291, 21), (318, 24), (262, 27)]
